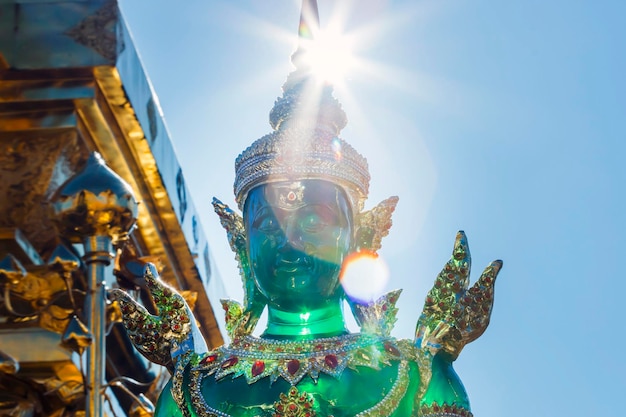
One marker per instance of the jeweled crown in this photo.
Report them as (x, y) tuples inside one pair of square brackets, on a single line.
[(305, 143)]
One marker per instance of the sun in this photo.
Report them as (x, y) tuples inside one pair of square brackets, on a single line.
[(330, 56)]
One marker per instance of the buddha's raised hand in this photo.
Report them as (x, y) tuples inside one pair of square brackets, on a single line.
[(455, 315), (164, 337)]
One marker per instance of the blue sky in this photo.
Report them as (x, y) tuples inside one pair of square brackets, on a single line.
[(504, 119)]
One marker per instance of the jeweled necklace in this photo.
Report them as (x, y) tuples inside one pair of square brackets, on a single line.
[(293, 360)]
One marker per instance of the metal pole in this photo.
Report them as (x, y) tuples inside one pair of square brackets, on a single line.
[(98, 254)]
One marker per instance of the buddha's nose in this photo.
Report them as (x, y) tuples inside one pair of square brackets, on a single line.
[(292, 236)]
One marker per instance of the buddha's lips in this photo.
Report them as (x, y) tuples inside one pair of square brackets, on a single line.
[(296, 266)]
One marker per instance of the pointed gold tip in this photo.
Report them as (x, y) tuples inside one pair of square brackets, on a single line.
[(309, 20)]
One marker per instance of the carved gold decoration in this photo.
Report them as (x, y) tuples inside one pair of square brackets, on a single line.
[(294, 404), (32, 166), (76, 336), (55, 318), (378, 317), (95, 202), (38, 286), (237, 319), (242, 320), (374, 224), (455, 314), (445, 410), (41, 295), (157, 336), (293, 154)]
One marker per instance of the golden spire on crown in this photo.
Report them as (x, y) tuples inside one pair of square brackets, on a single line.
[(307, 120)]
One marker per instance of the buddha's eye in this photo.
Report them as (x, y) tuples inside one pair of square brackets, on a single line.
[(313, 223), (318, 218), (266, 222)]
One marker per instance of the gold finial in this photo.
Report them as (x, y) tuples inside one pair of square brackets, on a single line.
[(96, 201), (305, 143)]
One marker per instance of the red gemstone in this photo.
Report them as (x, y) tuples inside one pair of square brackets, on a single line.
[(331, 361), (230, 362), (292, 407), (208, 359), (392, 349), (258, 368), (293, 366)]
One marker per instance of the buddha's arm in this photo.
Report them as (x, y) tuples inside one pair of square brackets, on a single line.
[(166, 406), (454, 315), (444, 393)]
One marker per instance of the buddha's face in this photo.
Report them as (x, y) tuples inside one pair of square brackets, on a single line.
[(298, 236)]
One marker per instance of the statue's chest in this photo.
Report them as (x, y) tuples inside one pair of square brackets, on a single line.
[(341, 377)]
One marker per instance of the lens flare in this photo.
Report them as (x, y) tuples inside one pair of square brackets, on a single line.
[(336, 146), (364, 276)]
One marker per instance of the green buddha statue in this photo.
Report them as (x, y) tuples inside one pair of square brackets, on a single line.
[(302, 191)]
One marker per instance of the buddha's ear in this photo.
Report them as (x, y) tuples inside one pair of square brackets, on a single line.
[(254, 301), (372, 225)]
